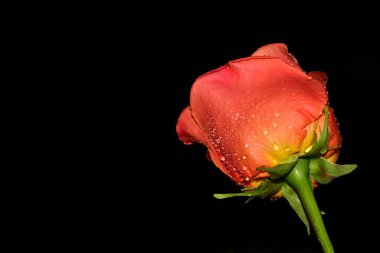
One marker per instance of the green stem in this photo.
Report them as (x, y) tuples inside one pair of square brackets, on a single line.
[(298, 178)]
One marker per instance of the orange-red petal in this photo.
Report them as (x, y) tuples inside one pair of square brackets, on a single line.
[(187, 129), (278, 50), (253, 111)]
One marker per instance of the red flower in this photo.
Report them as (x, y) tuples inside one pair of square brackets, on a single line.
[(256, 112)]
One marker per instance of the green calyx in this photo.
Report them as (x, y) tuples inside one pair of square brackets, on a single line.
[(320, 169)]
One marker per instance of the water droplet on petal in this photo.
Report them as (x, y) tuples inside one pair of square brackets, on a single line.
[(274, 125), (276, 147), (246, 145), (247, 178), (265, 132), (245, 168), (222, 158), (244, 157), (287, 149), (277, 114), (308, 149), (309, 77)]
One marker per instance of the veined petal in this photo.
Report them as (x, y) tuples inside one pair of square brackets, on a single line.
[(278, 50), (187, 129), (319, 76)]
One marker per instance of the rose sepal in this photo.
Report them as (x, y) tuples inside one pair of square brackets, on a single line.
[(281, 169), (320, 146), (267, 188), (324, 171)]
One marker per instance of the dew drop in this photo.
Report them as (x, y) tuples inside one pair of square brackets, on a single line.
[(265, 132), (277, 114), (246, 145), (222, 158), (287, 149), (275, 161), (274, 125), (245, 168), (309, 77), (247, 178), (244, 157), (276, 147), (308, 149)]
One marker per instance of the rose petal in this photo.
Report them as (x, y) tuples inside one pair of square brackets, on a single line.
[(254, 111), (278, 50), (319, 75), (187, 129), (241, 177)]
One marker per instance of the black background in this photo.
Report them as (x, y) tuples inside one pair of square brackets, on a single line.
[(118, 179), (154, 193), (180, 213)]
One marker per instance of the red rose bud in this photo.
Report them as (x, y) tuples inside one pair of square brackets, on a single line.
[(256, 112)]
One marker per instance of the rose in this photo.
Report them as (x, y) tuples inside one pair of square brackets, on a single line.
[(256, 112), (268, 126)]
